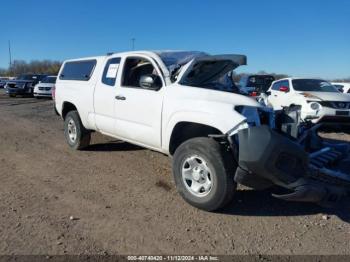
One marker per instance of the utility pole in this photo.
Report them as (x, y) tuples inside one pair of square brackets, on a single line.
[(10, 54), (133, 43)]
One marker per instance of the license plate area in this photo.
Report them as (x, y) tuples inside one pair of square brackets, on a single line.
[(342, 113)]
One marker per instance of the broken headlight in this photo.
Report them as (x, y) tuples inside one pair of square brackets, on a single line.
[(257, 116)]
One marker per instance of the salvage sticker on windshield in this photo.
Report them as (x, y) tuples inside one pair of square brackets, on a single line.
[(112, 71)]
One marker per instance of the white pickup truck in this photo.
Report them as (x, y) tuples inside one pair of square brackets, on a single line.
[(183, 104)]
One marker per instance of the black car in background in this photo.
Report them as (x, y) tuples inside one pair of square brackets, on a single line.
[(255, 84), (23, 85)]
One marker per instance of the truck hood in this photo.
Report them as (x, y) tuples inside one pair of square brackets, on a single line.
[(205, 69), (214, 96), (327, 96), (19, 81), (45, 85)]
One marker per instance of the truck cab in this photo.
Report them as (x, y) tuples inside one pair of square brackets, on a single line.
[(140, 96)]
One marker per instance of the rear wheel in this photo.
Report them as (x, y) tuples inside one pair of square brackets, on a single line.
[(77, 136), (204, 173)]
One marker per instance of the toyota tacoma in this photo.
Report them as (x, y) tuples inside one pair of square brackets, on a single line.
[(185, 105)]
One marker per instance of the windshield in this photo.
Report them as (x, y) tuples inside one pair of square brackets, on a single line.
[(31, 77), (49, 80), (313, 85), (171, 58), (174, 60), (260, 82), (27, 77)]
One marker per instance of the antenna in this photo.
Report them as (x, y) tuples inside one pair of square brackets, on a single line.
[(133, 43), (10, 54)]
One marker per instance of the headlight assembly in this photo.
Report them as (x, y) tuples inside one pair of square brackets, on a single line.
[(315, 106)]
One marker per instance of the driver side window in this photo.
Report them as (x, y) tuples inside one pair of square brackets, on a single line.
[(135, 68), (276, 86)]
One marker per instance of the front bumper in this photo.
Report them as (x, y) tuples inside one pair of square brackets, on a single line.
[(42, 93), (309, 173), (18, 91), (327, 114)]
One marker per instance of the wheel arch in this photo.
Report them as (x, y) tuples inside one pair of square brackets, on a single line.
[(185, 130), (201, 124), (66, 108)]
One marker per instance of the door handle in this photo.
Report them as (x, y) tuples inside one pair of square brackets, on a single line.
[(119, 97)]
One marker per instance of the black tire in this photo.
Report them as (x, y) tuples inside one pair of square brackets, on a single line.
[(222, 168), (12, 95), (82, 137)]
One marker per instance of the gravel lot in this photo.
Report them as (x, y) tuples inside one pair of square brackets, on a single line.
[(117, 198)]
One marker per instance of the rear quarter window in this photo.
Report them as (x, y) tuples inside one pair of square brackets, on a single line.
[(78, 70), (110, 72)]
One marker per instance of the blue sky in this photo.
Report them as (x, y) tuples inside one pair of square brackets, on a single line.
[(300, 38)]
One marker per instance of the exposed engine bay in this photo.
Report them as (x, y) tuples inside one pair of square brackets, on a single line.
[(279, 149)]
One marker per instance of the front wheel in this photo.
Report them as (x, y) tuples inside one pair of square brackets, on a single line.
[(75, 133), (204, 173)]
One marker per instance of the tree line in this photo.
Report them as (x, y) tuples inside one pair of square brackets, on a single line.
[(19, 67)]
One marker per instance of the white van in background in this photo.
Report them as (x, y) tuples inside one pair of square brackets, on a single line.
[(44, 87)]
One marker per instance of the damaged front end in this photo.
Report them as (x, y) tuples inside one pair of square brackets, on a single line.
[(277, 149)]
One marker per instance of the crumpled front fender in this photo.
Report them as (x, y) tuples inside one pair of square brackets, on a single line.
[(267, 157), (272, 156)]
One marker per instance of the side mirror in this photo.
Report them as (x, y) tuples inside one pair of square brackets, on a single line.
[(152, 82), (284, 89), (268, 93)]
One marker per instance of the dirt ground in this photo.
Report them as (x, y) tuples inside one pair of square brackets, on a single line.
[(123, 201)]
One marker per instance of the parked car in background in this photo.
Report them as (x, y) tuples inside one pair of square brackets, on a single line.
[(44, 87), (342, 87), (181, 104), (23, 85), (3, 81), (319, 99), (254, 85)]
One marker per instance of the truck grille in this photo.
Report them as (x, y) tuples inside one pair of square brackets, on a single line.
[(44, 88), (11, 85), (336, 104)]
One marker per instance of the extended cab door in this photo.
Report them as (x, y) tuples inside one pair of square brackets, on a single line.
[(104, 94), (138, 108)]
